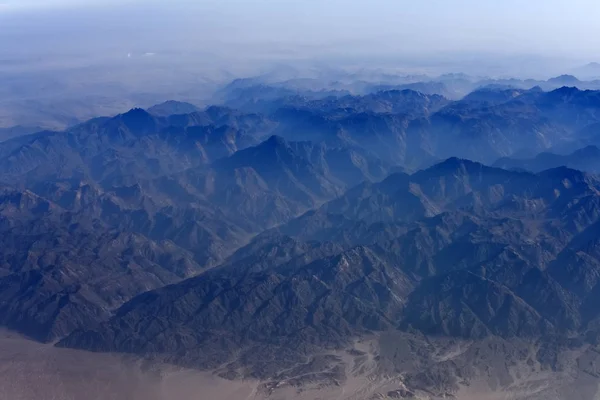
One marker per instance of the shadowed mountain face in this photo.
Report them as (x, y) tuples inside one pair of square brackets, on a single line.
[(260, 245)]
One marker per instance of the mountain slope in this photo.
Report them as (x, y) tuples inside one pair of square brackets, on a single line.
[(320, 304), (487, 260), (135, 143), (60, 271)]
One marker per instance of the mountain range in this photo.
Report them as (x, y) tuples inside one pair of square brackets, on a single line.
[(310, 239)]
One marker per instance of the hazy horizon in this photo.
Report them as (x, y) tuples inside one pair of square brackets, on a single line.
[(552, 32), (100, 57)]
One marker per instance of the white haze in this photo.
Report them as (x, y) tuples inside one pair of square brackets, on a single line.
[(323, 29)]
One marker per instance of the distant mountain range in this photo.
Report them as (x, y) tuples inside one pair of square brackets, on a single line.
[(66, 106), (409, 128), (453, 86), (586, 159)]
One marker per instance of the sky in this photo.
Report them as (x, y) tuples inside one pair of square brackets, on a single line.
[(367, 29), (543, 26), (418, 25)]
